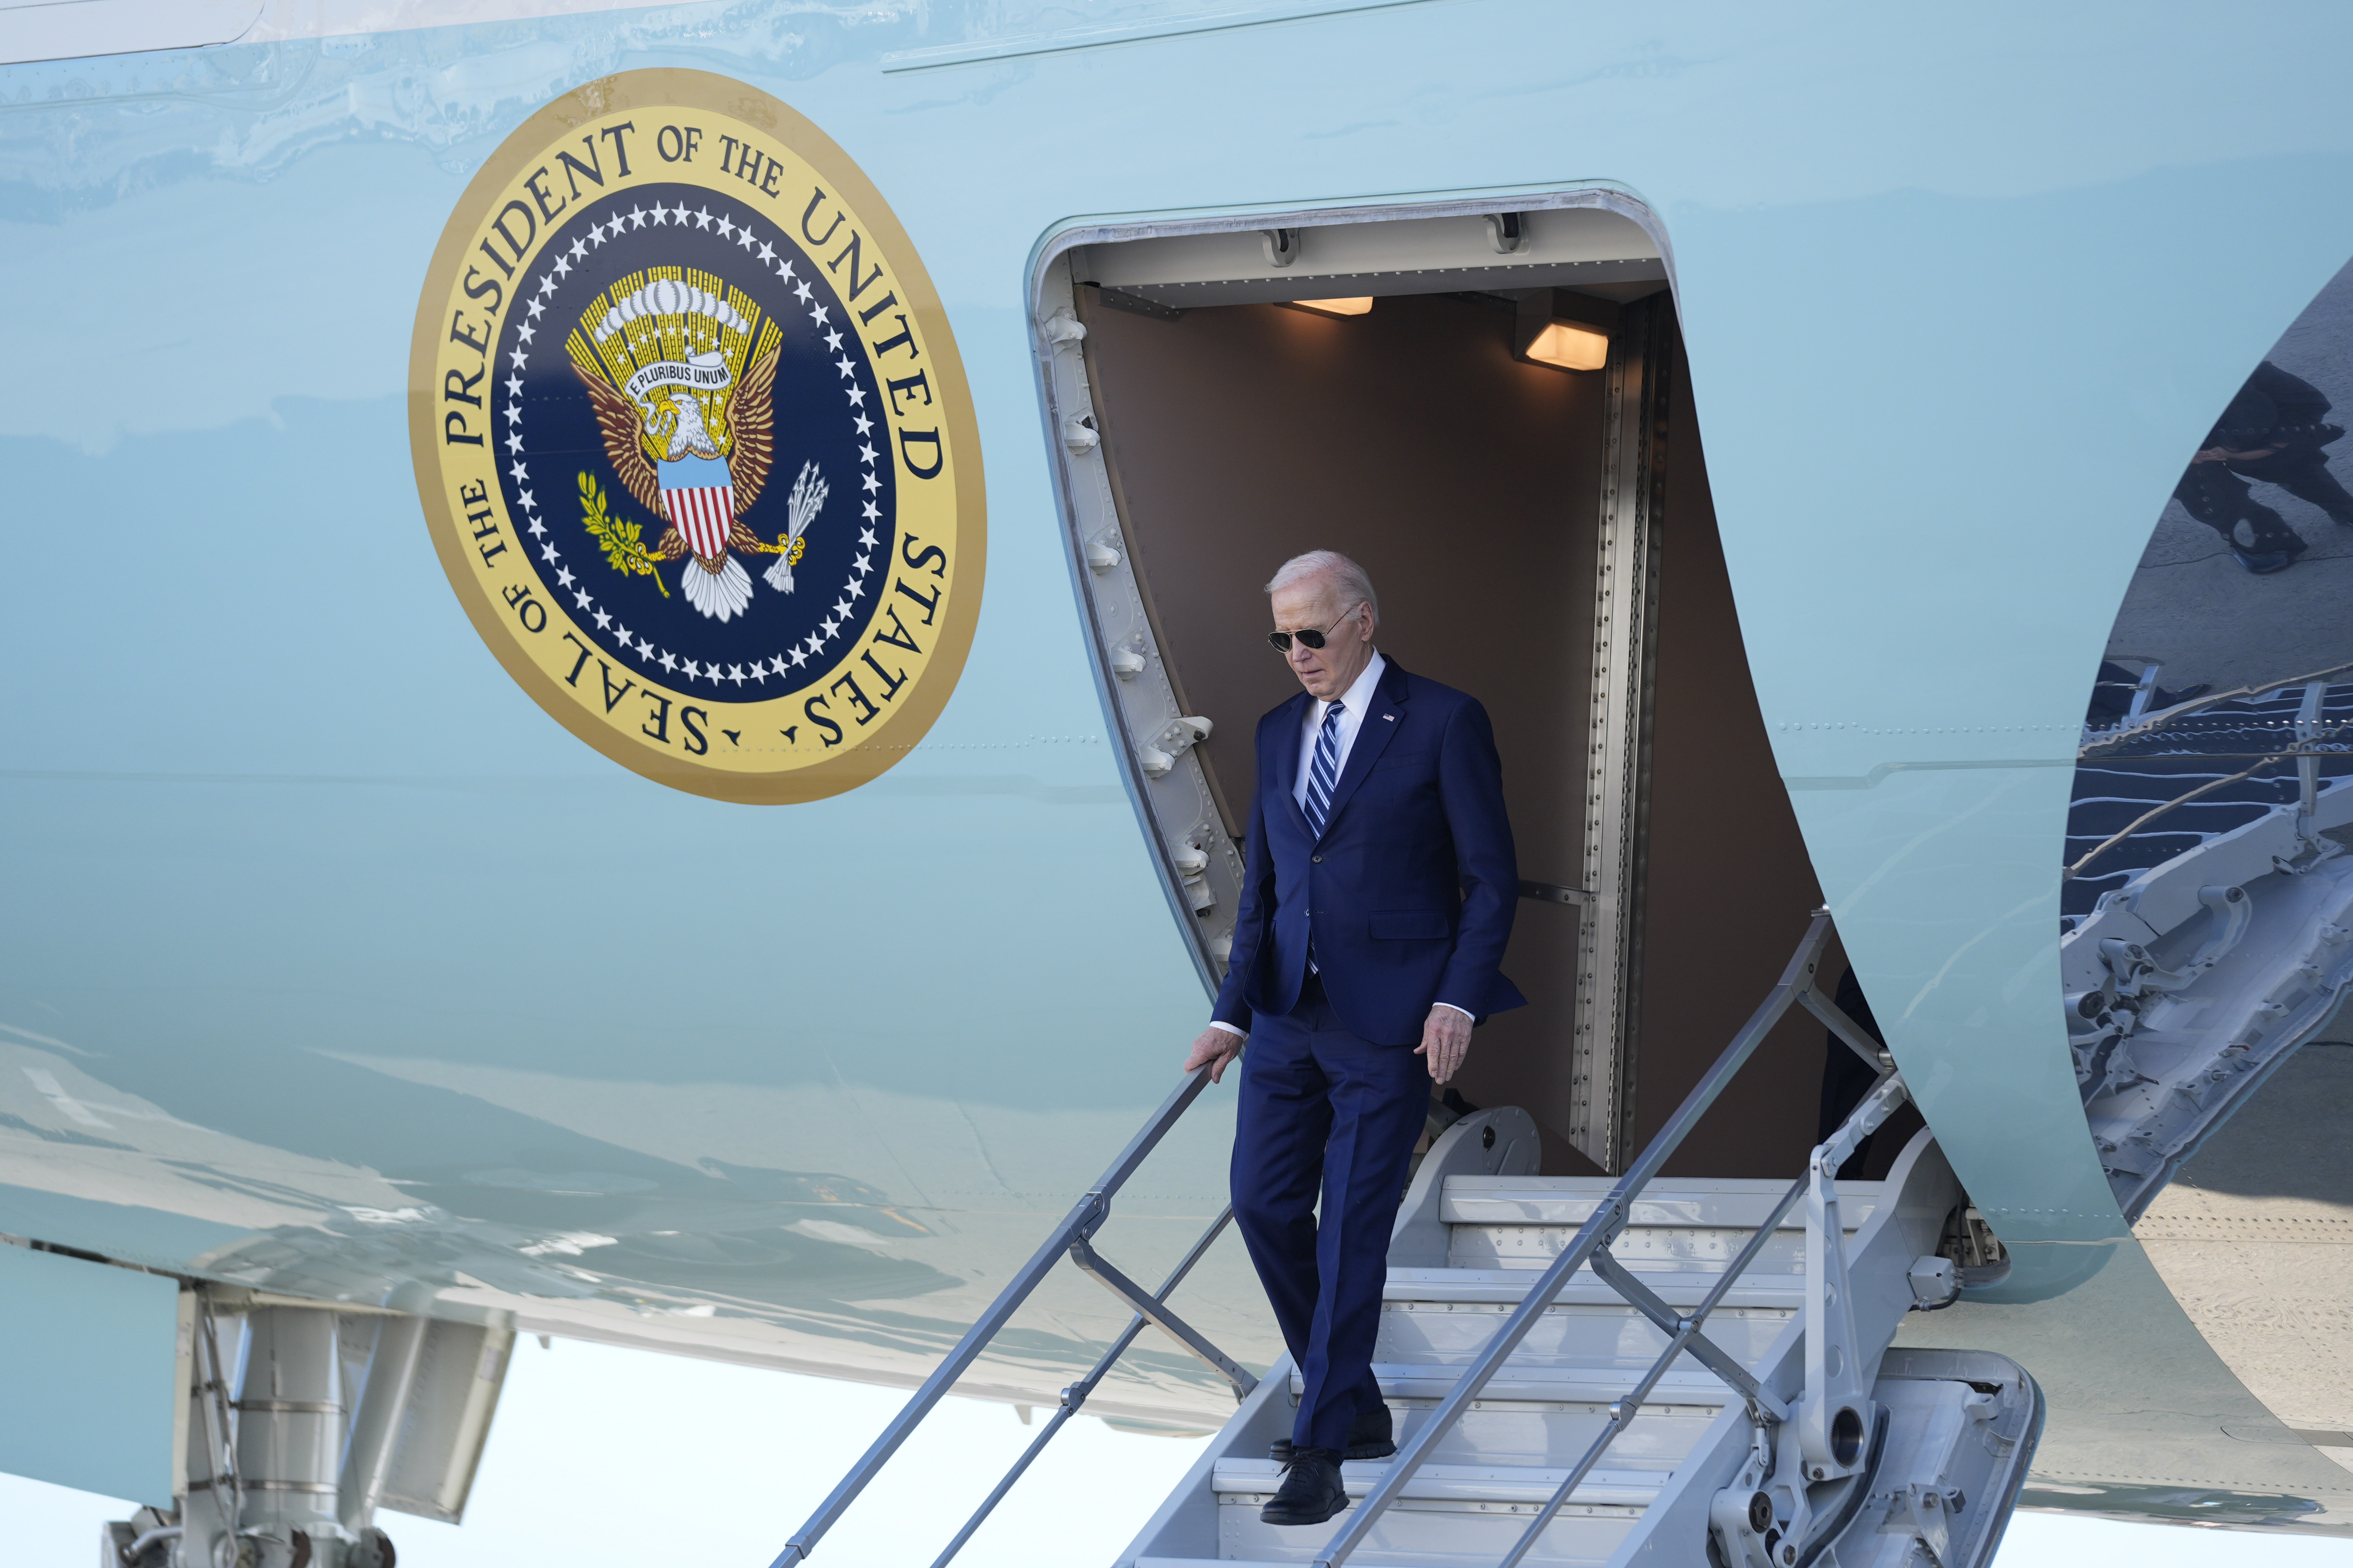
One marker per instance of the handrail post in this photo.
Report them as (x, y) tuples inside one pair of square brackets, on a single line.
[(1835, 1394), (1608, 1218), (1082, 1220)]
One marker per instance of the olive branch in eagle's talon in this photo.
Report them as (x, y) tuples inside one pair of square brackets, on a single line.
[(623, 541)]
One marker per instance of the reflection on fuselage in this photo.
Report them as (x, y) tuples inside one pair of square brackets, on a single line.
[(2208, 902)]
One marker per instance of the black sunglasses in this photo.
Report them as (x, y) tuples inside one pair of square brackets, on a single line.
[(1281, 640)]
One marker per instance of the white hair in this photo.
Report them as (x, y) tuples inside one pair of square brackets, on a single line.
[(1343, 577)]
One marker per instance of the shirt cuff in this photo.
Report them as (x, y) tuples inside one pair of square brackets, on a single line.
[(1452, 1008), (1230, 1029)]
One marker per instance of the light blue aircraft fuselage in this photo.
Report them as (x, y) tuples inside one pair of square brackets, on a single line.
[(335, 968)]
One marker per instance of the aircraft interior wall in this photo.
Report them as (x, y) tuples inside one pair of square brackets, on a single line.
[(1730, 884), (1467, 482)]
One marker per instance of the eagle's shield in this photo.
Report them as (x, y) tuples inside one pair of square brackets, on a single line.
[(699, 494)]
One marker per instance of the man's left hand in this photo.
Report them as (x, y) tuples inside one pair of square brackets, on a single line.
[(1445, 1040)]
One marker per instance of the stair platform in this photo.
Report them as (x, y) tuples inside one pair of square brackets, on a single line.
[(1741, 1205), (1621, 1488), (1510, 1286), (1517, 1384)]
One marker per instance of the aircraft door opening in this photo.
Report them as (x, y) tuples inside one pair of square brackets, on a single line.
[(1510, 513)]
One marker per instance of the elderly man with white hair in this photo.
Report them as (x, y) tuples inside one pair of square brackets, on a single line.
[(1377, 900)]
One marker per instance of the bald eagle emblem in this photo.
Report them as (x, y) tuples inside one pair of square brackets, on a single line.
[(681, 371)]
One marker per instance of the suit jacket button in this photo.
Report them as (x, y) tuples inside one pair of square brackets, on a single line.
[(1318, 859)]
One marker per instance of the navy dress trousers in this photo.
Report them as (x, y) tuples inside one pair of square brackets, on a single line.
[(1404, 900)]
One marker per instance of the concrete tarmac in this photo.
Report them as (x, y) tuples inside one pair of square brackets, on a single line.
[(2254, 1238)]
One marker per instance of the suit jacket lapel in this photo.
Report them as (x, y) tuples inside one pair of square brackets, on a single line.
[(1373, 733), (1286, 757)]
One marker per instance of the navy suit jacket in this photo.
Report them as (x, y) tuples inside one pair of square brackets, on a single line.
[(1408, 895)]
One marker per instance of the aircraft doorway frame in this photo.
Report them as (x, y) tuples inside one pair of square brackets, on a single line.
[(1176, 806)]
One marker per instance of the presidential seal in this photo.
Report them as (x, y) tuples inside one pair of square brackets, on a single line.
[(694, 442)]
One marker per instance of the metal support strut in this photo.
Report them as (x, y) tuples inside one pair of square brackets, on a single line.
[(1076, 1394)]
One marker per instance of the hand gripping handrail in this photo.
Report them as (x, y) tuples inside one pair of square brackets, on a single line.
[(1073, 1236), (1797, 986)]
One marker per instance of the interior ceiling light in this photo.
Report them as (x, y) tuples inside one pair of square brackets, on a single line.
[(1564, 330), (1569, 345), (1351, 307)]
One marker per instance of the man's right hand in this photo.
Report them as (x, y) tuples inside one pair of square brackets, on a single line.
[(1216, 1050)]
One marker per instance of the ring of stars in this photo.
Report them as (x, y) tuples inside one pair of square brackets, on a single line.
[(584, 603)]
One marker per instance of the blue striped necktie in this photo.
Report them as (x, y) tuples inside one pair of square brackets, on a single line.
[(1325, 775)]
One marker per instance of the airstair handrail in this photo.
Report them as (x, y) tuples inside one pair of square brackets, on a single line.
[(1073, 1236), (1797, 986)]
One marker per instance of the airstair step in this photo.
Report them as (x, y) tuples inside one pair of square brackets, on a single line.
[(1517, 1384), (1678, 1288), (1449, 1516), (1222, 1562), (1571, 1199), (1366, 1560), (1364, 1557), (1506, 1484), (1451, 1333)]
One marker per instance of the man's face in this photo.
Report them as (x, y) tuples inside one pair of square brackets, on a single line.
[(1312, 606)]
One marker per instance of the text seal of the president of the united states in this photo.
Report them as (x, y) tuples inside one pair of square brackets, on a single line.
[(694, 442)]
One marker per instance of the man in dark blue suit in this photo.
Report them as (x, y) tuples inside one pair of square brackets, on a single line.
[(1377, 900)]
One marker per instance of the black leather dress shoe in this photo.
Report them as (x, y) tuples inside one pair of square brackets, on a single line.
[(1311, 1491), (1369, 1438)]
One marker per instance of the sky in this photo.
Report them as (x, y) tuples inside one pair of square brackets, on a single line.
[(615, 1458)]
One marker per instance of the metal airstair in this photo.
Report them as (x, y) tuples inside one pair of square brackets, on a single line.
[(1589, 1370), (1944, 1466)]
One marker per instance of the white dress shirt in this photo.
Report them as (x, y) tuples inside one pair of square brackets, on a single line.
[(1354, 704)]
